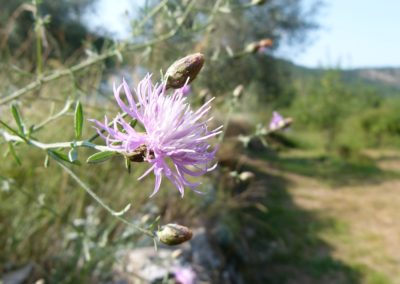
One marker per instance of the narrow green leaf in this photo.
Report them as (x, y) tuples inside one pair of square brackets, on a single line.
[(100, 157), (6, 152), (133, 123), (128, 165), (86, 249), (61, 157), (18, 118), (78, 120), (154, 224), (13, 153), (46, 161), (155, 244), (72, 155), (12, 130), (123, 211)]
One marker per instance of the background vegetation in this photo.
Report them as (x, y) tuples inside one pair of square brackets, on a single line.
[(303, 219)]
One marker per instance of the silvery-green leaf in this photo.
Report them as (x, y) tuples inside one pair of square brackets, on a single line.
[(100, 157), (78, 120)]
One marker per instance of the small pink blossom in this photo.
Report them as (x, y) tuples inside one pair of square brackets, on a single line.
[(185, 275), (276, 122)]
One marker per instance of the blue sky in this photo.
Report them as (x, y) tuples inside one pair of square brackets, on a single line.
[(354, 33)]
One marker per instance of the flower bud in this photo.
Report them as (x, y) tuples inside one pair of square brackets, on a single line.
[(252, 47), (267, 42), (237, 92), (174, 234), (258, 2), (246, 177), (259, 45), (184, 70)]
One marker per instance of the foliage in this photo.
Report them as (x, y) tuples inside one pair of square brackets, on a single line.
[(62, 32), (351, 115), (48, 211)]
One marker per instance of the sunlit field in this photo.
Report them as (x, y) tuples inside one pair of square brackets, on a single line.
[(188, 151)]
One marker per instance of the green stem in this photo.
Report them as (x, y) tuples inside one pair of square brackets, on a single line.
[(101, 202), (48, 146), (56, 75), (39, 61), (89, 62), (152, 14), (53, 117), (232, 106)]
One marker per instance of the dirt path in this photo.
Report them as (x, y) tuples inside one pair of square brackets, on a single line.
[(367, 231), (364, 221)]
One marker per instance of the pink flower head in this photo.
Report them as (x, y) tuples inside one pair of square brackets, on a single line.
[(277, 121), (175, 139), (184, 275)]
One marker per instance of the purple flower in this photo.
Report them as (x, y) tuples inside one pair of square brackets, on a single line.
[(184, 275), (276, 122), (175, 139)]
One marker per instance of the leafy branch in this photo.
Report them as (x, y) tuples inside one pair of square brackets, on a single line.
[(96, 59)]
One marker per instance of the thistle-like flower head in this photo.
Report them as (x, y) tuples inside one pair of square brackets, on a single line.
[(175, 139)]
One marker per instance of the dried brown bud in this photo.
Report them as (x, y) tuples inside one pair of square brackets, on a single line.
[(184, 70), (174, 234), (259, 45), (267, 42)]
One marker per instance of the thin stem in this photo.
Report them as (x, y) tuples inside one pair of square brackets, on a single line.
[(53, 117), (152, 13), (91, 61), (101, 202), (56, 75), (48, 208), (232, 106), (48, 146), (39, 37), (39, 61)]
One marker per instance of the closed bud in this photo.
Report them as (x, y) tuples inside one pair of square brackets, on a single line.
[(246, 177), (174, 234), (258, 2), (259, 45), (184, 70), (252, 47), (237, 92), (267, 42)]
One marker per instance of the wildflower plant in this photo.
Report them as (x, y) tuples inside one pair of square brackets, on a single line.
[(173, 133), (156, 125), (175, 141)]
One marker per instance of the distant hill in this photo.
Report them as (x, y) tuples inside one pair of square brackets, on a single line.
[(390, 77), (384, 80)]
